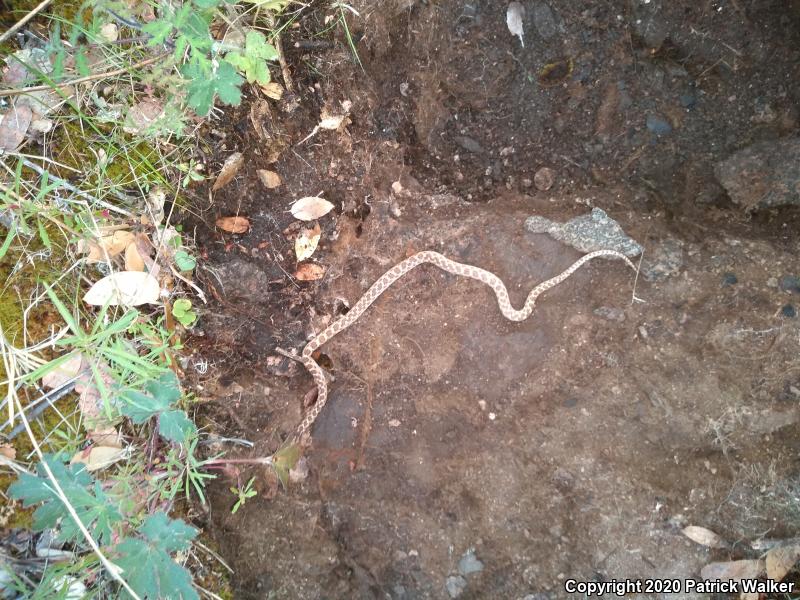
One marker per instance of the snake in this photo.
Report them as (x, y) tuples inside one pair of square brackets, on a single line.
[(395, 273)]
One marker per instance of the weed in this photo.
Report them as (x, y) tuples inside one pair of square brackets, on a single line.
[(243, 494)]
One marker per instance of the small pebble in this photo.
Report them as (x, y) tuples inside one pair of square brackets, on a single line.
[(658, 125), (571, 402), (469, 563), (688, 100), (729, 279), (544, 179), (789, 311), (790, 283), (455, 585)]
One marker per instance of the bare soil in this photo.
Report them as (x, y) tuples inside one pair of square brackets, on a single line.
[(575, 445)]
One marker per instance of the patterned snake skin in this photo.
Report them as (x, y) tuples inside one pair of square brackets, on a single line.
[(396, 273)]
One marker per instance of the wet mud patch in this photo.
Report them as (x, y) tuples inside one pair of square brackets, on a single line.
[(460, 454)]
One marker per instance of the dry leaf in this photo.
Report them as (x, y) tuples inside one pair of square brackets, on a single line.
[(781, 560), (270, 179), (233, 224), (8, 451), (736, 570), (110, 32), (309, 272), (331, 122), (112, 244), (306, 242), (155, 200), (310, 208), (704, 537), (41, 125), (514, 17), (14, 126), (63, 372), (273, 90), (98, 457), (106, 436), (133, 260), (142, 115), (229, 169), (128, 288)]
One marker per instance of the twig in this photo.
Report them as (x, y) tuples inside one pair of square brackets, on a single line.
[(39, 405), (88, 78), (287, 76), (19, 24)]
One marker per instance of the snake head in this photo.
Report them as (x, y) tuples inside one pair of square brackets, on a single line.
[(284, 460)]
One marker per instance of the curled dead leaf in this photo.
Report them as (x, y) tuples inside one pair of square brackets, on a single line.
[(142, 116), (310, 208), (781, 560), (8, 451), (107, 246), (133, 260), (703, 536), (309, 271), (98, 457), (736, 570), (273, 90), (233, 224), (331, 123), (306, 243), (63, 373), (128, 288), (14, 126), (106, 436), (515, 14), (229, 169), (270, 179)]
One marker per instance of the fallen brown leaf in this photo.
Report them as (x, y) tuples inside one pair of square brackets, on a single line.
[(126, 288), (781, 560), (229, 169), (310, 208), (306, 243), (270, 179), (233, 224), (736, 570), (273, 90), (703, 536), (63, 372), (106, 436), (8, 451), (14, 126), (309, 271), (98, 457), (133, 260)]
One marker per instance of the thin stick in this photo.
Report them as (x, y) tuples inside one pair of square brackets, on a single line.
[(88, 78), (19, 24)]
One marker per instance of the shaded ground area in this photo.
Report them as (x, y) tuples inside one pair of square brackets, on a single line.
[(576, 444)]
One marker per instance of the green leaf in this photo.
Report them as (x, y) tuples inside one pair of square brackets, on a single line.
[(253, 62), (228, 82), (182, 310), (82, 62), (284, 460), (159, 30), (184, 261), (12, 232), (146, 562), (95, 509), (163, 393), (175, 426)]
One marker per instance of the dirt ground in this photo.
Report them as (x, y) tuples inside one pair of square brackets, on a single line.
[(462, 455)]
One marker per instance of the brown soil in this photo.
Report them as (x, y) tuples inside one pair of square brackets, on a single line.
[(576, 444)]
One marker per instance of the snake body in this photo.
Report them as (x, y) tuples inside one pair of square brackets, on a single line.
[(395, 273)]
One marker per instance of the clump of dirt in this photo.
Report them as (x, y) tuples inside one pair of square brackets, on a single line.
[(462, 455)]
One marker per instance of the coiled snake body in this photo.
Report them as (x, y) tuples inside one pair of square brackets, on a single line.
[(395, 273)]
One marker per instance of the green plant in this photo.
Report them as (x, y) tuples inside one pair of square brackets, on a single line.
[(243, 494), (182, 310)]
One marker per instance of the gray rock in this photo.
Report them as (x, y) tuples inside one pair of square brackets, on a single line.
[(658, 125), (469, 563), (790, 283), (455, 585), (587, 233), (764, 174), (469, 144), (612, 314), (665, 260), (544, 20)]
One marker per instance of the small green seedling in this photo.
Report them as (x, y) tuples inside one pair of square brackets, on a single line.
[(244, 493), (182, 310)]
